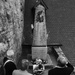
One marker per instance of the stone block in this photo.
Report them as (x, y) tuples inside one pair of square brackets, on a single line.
[(39, 52)]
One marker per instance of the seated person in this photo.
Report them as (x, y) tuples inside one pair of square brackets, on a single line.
[(8, 64), (63, 68), (25, 65)]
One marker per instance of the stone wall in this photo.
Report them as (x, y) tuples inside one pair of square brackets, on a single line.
[(11, 26)]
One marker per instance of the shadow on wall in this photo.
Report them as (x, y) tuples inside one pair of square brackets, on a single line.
[(28, 20)]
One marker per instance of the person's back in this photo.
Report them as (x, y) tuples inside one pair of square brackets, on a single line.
[(61, 71), (24, 71), (20, 72), (64, 69)]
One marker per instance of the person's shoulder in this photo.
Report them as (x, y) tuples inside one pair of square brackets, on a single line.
[(55, 69), (16, 71), (28, 73)]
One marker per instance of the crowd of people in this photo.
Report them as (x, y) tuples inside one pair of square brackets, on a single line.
[(63, 67)]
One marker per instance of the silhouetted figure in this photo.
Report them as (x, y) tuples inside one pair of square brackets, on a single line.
[(9, 66), (63, 68)]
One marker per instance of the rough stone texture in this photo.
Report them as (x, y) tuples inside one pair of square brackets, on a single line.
[(39, 34), (11, 26), (39, 52), (60, 52)]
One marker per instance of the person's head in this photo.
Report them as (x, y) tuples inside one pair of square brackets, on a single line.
[(61, 61), (25, 64), (10, 53)]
